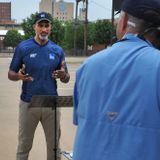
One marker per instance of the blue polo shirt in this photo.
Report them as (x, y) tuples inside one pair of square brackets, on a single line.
[(117, 103), (40, 62)]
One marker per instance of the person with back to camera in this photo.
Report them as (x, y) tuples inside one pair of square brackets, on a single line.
[(38, 62), (117, 91)]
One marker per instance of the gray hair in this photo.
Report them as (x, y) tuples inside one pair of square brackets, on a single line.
[(137, 24), (144, 29)]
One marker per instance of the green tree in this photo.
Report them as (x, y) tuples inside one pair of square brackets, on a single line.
[(99, 32), (91, 33), (70, 29), (27, 26), (68, 40), (57, 33), (12, 38), (103, 32)]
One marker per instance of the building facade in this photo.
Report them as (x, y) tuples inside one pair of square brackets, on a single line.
[(5, 13), (61, 10), (6, 23), (46, 6)]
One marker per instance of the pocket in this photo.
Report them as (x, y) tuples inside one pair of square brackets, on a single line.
[(23, 104)]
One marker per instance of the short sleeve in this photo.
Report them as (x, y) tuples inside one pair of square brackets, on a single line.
[(16, 62), (62, 60)]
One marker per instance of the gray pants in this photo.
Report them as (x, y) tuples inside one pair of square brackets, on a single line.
[(28, 121)]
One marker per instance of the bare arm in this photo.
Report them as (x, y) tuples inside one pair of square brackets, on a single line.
[(12, 75)]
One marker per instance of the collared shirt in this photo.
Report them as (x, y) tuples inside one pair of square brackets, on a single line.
[(117, 103), (40, 62)]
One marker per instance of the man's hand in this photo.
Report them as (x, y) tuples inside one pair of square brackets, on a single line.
[(64, 77), (24, 77), (21, 75)]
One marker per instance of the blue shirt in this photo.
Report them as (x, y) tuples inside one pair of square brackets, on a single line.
[(117, 103), (40, 62)]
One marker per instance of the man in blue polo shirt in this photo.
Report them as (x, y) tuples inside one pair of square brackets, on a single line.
[(38, 62), (117, 91)]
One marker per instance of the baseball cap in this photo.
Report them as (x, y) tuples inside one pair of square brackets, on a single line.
[(148, 10), (42, 16)]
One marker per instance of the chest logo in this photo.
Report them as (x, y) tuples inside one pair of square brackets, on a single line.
[(33, 55), (51, 56)]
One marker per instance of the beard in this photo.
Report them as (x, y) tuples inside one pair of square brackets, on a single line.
[(43, 36)]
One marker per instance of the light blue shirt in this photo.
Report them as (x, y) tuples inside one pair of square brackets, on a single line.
[(117, 103)]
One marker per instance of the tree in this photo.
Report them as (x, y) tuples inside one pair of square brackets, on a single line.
[(68, 40), (57, 33), (27, 26), (91, 33), (103, 32), (69, 35), (12, 38)]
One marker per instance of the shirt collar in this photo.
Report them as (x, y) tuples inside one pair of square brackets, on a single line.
[(131, 36)]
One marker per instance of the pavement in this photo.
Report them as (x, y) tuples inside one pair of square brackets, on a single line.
[(9, 99), (69, 59)]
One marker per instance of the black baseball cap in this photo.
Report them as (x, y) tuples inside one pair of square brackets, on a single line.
[(148, 10), (42, 16)]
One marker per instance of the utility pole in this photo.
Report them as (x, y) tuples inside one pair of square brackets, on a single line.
[(53, 8), (112, 13), (85, 27), (75, 29)]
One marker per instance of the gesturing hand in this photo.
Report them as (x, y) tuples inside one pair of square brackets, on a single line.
[(61, 72), (23, 75)]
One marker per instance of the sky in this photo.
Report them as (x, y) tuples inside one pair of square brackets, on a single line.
[(97, 9)]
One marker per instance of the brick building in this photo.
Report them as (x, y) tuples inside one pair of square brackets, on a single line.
[(61, 10), (5, 13)]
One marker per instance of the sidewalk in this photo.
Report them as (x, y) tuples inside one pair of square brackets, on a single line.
[(70, 59), (75, 59)]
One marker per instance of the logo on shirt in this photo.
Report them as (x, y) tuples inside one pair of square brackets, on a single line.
[(51, 56), (112, 115), (33, 55)]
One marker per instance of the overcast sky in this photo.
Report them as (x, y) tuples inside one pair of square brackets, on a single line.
[(97, 9)]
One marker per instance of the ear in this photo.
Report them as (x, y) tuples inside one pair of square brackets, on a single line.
[(124, 22), (122, 25)]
